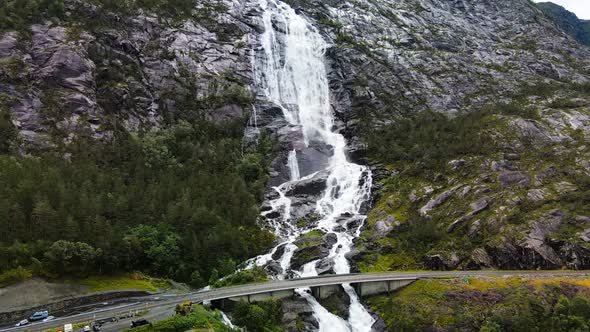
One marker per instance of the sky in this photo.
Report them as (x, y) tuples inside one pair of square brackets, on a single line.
[(579, 7)]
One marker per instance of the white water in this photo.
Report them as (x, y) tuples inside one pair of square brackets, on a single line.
[(291, 72), (294, 166), (226, 320)]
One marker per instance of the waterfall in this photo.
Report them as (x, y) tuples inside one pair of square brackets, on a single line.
[(290, 72), (293, 166)]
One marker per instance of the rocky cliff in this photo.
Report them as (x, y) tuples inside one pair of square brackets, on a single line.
[(95, 68)]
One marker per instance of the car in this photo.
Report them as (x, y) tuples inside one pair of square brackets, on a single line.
[(139, 322), (86, 328), (68, 328), (48, 319), (39, 315), (96, 327), (22, 323)]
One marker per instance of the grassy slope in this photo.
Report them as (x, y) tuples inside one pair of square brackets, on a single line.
[(416, 237), (130, 281), (512, 304)]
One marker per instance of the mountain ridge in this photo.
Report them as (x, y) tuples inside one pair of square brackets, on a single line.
[(578, 28)]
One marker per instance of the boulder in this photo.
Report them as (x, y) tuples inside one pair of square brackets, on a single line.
[(438, 200), (383, 227), (455, 164), (298, 315), (536, 195), (325, 266), (279, 252), (273, 268), (508, 179), (313, 186), (438, 262), (330, 239)]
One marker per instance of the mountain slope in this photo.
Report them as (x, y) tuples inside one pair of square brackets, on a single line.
[(132, 138), (567, 21)]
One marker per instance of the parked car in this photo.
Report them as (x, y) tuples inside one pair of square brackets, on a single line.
[(96, 327), (49, 318), (39, 315), (139, 322), (86, 328), (68, 328), (22, 323)]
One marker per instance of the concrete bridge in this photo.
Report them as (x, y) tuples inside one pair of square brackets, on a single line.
[(364, 284), (363, 288)]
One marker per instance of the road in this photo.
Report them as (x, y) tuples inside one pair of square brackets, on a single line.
[(161, 307)]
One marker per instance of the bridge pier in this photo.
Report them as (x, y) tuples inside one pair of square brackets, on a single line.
[(323, 292), (364, 289)]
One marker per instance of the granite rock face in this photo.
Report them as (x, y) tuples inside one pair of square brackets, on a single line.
[(66, 79)]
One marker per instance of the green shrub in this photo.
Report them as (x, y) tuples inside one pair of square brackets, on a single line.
[(199, 318), (256, 274), (14, 275), (259, 317), (427, 140)]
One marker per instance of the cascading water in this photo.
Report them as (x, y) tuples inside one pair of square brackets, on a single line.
[(291, 73)]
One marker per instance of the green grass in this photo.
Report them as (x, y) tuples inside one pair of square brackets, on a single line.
[(14, 275), (133, 281)]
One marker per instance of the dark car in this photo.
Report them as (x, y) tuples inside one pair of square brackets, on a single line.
[(139, 322)]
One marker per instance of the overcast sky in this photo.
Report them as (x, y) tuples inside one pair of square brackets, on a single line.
[(579, 7)]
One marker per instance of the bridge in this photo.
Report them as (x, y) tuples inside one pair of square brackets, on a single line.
[(323, 286)]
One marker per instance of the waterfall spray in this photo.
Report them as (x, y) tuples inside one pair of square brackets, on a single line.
[(291, 73)]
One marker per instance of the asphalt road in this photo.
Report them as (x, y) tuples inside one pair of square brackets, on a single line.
[(156, 308)]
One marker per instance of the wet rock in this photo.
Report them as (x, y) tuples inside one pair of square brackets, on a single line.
[(305, 255), (313, 186), (325, 266), (279, 252), (354, 223), (298, 316), (266, 114), (273, 268), (337, 303), (330, 239)]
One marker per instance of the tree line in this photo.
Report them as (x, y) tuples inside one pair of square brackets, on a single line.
[(178, 202)]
